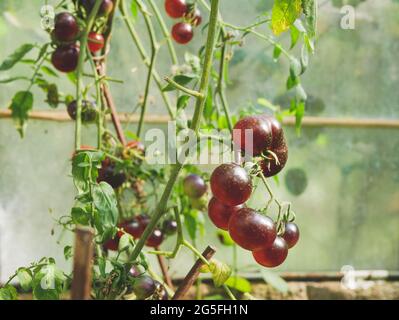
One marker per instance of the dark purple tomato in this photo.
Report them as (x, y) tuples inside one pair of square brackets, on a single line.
[(175, 8), (231, 184), (253, 135), (144, 287), (272, 256), (169, 227), (110, 175), (66, 28), (155, 239), (95, 42), (162, 294), (89, 112), (251, 230), (135, 271), (182, 32), (291, 234), (105, 7), (65, 58), (271, 166), (220, 214), (111, 244), (133, 228), (194, 186)]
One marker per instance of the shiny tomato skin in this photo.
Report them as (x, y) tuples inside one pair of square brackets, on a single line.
[(272, 256), (220, 214)]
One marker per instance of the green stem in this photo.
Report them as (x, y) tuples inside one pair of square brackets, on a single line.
[(165, 32), (154, 50), (79, 72), (136, 39), (160, 209), (229, 293), (190, 92), (98, 101)]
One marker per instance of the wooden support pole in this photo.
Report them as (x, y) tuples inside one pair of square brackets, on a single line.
[(82, 264), (193, 274)]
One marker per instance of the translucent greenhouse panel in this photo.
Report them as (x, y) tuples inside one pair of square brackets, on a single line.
[(343, 185)]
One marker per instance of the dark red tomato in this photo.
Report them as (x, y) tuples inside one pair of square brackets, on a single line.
[(111, 244), (251, 230), (182, 32), (175, 8), (133, 228), (155, 239), (66, 28), (105, 7), (96, 42), (169, 227), (271, 166), (108, 174), (253, 135), (194, 186), (220, 214), (89, 112), (144, 220), (195, 17), (231, 184), (291, 234), (65, 58), (272, 256), (143, 287)]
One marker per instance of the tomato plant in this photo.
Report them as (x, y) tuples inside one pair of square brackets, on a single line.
[(131, 205)]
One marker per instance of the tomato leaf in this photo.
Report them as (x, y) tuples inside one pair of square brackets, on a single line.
[(239, 284), (310, 11), (8, 293), (48, 282), (16, 56), (284, 14), (21, 104), (25, 278), (180, 79), (106, 217)]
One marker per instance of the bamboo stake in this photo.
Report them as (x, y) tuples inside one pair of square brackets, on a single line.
[(193, 274), (82, 265), (61, 116)]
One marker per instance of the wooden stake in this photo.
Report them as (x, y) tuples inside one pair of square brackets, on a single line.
[(193, 274), (82, 265)]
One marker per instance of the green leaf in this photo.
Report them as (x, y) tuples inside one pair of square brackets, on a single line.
[(81, 172), (16, 56), (8, 293), (294, 36), (239, 284), (21, 104), (48, 282), (49, 71), (220, 272), (53, 98), (225, 238), (68, 252), (182, 102), (104, 200), (274, 280), (80, 216), (284, 14), (276, 51), (24, 278), (134, 9), (310, 11), (183, 80)]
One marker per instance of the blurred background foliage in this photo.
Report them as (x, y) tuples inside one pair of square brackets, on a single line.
[(343, 183)]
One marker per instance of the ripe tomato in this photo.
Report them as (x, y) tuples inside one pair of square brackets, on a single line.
[(105, 7), (111, 244), (272, 256), (143, 287), (220, 214), (231, 184), (291, 234), (65, 58), (108, 174), (251, 230), (96, 42), (182, 32), (175, 8), (194, 186), (155, 239), (66, 28), (169, 227)]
